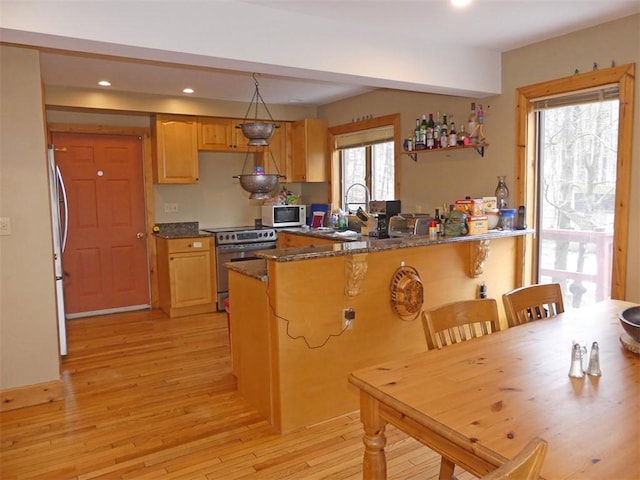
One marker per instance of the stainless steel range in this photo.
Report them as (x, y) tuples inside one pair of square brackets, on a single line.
[(237, 244)]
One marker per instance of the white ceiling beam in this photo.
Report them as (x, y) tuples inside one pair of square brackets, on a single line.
[(238, 36)]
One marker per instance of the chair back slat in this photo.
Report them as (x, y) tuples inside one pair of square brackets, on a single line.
[(533, 302), (460, 321)]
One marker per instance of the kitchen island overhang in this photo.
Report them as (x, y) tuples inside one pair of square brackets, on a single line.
[(291, 351)]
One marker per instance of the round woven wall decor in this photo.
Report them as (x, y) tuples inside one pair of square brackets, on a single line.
[(407, 293)]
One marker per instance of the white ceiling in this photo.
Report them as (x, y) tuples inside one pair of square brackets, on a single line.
[(425, 27)]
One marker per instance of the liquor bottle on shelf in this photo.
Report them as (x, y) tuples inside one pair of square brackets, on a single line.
[(445, 124), (436, 131), (472, 125), (453, 135), (444, 132), (417, 145), (439, 228), (430, 127), (463, 137), (423, 130)]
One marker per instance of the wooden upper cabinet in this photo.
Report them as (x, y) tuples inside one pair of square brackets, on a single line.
[(221, 135), (309, 151), (214, 134), (175, 149), (277, 156)]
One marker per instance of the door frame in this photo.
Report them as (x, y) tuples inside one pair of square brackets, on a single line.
[(145, 135), (526, 164)]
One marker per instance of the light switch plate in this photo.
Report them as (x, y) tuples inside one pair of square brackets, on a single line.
[(5, 226)]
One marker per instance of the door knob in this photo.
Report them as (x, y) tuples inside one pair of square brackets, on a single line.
[(140, 235)]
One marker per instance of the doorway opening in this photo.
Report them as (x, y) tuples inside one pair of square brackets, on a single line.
[(577, 158), (105, 263), (530, 184)]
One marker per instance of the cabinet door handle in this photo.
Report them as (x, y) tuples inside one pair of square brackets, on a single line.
[(140, 235)]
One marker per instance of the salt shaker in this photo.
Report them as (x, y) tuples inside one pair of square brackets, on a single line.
[(576, 362), (594, 361)]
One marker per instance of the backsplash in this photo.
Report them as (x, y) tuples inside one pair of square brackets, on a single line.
[(217, 200)]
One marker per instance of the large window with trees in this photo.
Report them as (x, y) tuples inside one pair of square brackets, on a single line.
[(577, 157), (583, 193)]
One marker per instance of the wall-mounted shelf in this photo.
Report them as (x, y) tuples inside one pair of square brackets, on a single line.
[(478, 147)]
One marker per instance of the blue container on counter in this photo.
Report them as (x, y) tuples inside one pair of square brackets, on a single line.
[(508, 218)]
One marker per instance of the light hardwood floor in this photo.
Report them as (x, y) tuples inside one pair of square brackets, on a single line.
[(148, 397)]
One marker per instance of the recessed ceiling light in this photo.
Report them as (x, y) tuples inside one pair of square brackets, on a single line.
[(460, 3), (104, 83), (188, 90), (295, 100)]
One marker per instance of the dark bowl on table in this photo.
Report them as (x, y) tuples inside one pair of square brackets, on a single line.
[(630, 321)]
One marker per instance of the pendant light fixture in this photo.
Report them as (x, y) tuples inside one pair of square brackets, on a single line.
[(258, 132)]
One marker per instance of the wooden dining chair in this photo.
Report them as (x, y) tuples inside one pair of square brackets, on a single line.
[(454, 323), (459, 321), (533, 302), (526, 465)]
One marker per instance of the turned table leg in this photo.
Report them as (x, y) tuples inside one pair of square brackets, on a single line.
[(374, 464)]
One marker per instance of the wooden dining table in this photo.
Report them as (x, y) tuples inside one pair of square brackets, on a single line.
[(479, 402)]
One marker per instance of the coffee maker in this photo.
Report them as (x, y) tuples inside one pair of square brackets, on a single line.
[(383, 210)]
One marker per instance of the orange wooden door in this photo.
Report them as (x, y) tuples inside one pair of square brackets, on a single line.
[(105, 260)]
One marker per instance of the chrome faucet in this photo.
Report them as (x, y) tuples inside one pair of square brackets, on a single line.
[(367, 196)]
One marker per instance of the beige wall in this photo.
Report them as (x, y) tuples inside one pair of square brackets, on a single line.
[(28, 329), (442, 177), (437, 177)]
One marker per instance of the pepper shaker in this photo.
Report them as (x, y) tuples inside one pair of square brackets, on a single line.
[(593, 368)]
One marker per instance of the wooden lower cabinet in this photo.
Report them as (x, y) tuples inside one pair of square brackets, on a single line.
[(186, 276)]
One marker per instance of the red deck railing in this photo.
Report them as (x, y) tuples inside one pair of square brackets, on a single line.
[(604, 247)]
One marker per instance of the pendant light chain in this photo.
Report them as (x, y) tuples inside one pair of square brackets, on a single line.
[(257, 97)]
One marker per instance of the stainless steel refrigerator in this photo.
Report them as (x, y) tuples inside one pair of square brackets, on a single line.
[(59, 220)]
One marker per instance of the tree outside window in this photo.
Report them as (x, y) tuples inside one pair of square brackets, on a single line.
[(578, 155), (372, 167)]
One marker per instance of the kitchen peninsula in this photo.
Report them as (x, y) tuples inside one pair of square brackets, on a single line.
[(291, 348)]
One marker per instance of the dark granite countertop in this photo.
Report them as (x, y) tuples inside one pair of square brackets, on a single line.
[(326, 233), (366, 245), (180, 230), (252, 268)]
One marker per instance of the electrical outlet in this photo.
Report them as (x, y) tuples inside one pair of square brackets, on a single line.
[(348, 316), (170, 208)]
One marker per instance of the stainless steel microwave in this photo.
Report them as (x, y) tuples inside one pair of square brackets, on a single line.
[(284, 215)]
